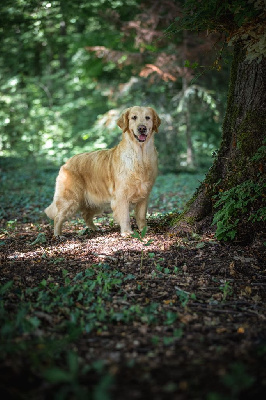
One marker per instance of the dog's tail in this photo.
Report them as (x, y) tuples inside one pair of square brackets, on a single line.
[(51, 210)]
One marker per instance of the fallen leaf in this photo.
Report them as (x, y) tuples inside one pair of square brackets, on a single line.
[(221, 330)]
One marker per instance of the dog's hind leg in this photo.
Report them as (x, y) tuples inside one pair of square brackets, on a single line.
[(51, 210), (64, 211), (88, 214)]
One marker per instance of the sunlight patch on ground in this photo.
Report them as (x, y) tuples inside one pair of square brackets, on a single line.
[(40, 252), (98, 246)]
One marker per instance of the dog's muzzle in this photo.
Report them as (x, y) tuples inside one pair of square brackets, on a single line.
[(142, 130)]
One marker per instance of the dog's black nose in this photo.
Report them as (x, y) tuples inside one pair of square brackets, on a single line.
[(142, 129)]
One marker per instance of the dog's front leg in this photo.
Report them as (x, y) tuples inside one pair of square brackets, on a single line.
[(140, 212), (120, 207)]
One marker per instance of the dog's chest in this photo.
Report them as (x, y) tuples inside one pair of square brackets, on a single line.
[(138, 160), (138, 177), (139, 190)]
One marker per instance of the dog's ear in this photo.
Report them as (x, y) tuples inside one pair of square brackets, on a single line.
[(122, 121), (156, 120)]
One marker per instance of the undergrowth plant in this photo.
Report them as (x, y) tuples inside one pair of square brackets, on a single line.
[(226, 289), (140, 236), (40, 323), (83, 302), (184, 296), (236, 204), (236, 380)]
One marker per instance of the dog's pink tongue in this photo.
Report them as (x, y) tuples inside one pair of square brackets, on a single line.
[(142, 138)]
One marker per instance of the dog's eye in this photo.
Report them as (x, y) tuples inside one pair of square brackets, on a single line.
[(147, 118), (134, 117)]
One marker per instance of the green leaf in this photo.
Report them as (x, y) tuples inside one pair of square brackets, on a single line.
[(129, 276), (57, 375), (168, 340), (200, 245), (43, 283), (144, 231), (237, 378), (41, 238), (171, 317), (73, 364), (155, 340), (84, 232), (6, 287), (149, 242), (136, 235), (178, 333), (102, 389), (64, 273), (34, 321)]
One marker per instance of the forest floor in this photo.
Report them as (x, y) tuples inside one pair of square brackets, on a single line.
[(97, 316)]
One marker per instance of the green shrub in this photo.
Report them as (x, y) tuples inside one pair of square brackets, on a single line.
[(236, 204)]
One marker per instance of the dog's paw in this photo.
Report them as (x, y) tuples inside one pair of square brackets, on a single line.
[(88, 230), (94, 228), (126, 234), (60, 238), (142, 227)]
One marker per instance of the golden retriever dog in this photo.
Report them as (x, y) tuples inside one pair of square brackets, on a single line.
[(120, 177)]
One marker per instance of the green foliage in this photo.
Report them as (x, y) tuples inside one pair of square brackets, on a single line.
[(26, 189), (41, 238), (239, 20), (85, 301), (68, 379), (172, 191), (227, 290), (235, 205), (236, 380), (140, 236), (184, 296), (50, 99), (44, 323), (55, 93), (207, 15)]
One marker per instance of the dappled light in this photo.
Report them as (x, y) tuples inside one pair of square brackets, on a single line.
[(65, 98), (130, 303), (132, 299)]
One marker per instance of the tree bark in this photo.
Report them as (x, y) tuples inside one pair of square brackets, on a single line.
[(243, 134), (190, 151)]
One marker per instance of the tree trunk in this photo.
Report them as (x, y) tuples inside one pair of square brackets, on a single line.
[(243, 134), (190, 152)]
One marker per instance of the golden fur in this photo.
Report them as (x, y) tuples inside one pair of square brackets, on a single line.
[(120, 176)]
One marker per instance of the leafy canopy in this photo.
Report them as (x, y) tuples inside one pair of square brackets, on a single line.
[(238, 20)]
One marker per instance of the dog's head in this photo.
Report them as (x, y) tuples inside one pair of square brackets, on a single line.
[(140, 122)]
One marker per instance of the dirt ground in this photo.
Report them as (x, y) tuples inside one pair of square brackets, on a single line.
[(208, 340)]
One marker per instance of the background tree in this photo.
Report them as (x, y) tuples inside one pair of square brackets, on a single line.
[(235, 183), (163, 64), (69, 68)]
